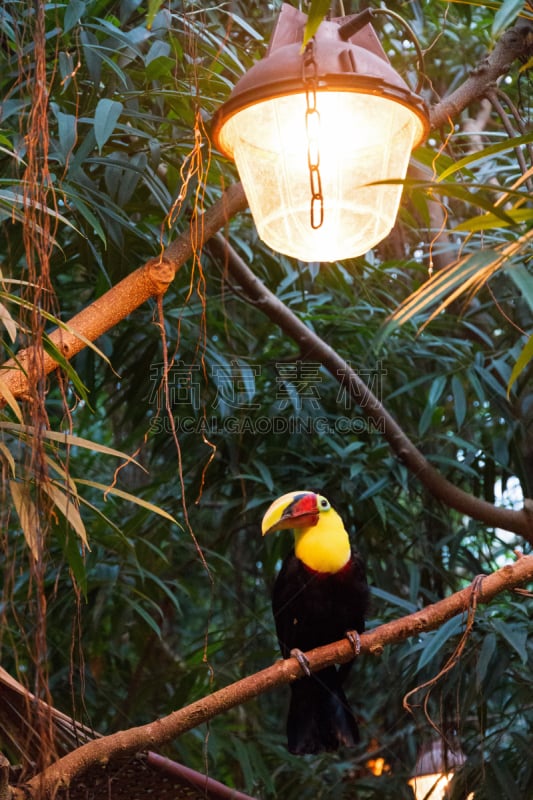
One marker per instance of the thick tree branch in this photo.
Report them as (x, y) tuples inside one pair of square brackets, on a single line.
[(150, 280), (312, 346), (157, 733)]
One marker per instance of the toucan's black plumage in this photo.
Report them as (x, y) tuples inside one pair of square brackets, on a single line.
[(320, 594)]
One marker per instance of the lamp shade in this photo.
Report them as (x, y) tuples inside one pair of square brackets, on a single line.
[(432, 786), (435, 768), (347, 115)]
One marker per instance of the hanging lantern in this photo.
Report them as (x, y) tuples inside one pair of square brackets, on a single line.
[(435, 768), (311, 130)]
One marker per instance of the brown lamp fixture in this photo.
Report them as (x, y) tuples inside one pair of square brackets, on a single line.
[(316, 133)]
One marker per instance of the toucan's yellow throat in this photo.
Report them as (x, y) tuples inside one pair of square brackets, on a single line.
[(320, 540)]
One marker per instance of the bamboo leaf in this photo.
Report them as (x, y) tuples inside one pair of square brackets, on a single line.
[(27, 514), (76, 562), (317, 12), (105, 118), (132, 498), (11, 401), (73, 441), (515, 636), (484, 222), (8, 322), (485, 656), (393, 599), (65, 504), (436, 641), (525, 356), (487, 152), (4, 449), (15, 199), (150, 621), (523, 280), (153, 8), (73, 14), (67, 367), (459, 400), (506, 15), (458, 276)]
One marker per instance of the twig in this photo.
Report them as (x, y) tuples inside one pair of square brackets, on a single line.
[(492, 97)]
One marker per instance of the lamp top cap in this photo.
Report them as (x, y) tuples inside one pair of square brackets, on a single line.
[(290, 27)]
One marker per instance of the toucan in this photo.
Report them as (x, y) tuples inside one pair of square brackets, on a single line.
[(320, 595)]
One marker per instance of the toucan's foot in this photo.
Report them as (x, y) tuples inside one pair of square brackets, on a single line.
[(355, 640), (302, 660)]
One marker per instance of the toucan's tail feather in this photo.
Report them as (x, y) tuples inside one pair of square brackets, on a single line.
[(319, 715)]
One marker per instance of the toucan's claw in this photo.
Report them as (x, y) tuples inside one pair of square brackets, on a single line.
[(302, 660), (355, 640)]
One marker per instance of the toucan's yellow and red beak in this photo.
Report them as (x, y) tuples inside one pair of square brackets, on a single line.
[(292, 510)]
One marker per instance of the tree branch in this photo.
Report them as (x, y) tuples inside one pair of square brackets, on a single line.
[(159, 732), (312, 346), (150, 280), (515, 43)]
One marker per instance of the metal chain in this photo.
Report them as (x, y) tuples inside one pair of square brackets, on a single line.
[(312, 129)]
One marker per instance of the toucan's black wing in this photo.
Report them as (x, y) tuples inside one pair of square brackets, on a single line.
[(312, 609)]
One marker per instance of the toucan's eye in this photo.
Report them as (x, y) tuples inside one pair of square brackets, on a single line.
[(323, 504)]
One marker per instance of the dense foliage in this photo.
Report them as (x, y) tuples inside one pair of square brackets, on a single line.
[(170, 600)]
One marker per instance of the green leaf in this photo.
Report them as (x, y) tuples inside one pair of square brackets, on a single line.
[(13, 198), (245, 26), (105, 118), (486, 153), (393, 599), (86, 213), (525, 356), (153, 8), (65, 364), (508, 788), (160, 67), (523, 280), (473, 194), (459, 400), (515, 636), (436, 389), (317, 11), (435, 642), (73, 13), (485, 656), (485, 222), (506, 15), (143, 614), (67, 130), (76, 562)]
